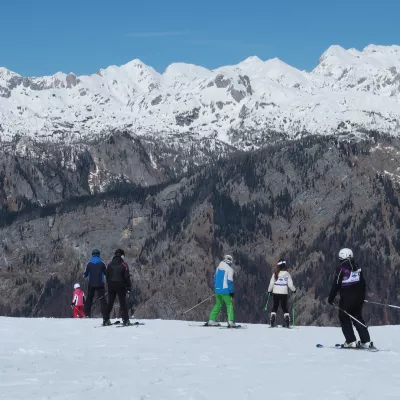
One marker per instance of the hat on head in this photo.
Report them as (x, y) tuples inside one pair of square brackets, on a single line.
[(345, 254), (119, 252), (95, 252), (77, 285)]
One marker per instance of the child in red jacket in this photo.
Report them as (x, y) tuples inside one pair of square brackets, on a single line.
[(78, 300)]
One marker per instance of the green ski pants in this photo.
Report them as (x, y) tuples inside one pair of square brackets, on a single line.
[(220, 299)]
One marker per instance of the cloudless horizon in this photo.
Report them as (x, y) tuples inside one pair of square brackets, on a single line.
[(45, 37)]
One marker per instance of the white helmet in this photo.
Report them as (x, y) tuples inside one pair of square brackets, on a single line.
[(345, 254), (228, 258), (77, 285)]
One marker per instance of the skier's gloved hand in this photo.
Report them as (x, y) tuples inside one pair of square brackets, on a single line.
[(232, 294), (331, 302), (128, 289)]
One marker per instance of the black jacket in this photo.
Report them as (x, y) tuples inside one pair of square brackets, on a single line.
[(118, 273), (349, 280), (95, 272)]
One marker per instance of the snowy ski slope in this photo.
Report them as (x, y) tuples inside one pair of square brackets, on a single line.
[(51, 359)]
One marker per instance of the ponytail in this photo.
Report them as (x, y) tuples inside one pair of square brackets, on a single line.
[(276, 273)]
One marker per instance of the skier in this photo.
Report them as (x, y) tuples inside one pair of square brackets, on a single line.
[(78, 301), (119, 283), (349, 281), (278, 286), (95, 272), (224, 292)]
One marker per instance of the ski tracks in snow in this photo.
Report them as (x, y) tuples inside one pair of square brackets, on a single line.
[(50, 359)]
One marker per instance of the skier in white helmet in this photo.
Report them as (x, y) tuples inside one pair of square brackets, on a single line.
[(224, 292), (349, 281), (280, 282)]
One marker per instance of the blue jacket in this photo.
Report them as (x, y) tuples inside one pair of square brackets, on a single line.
[(95, 272), (223, 279)]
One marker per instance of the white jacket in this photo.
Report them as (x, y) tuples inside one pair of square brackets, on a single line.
[(280, 286)]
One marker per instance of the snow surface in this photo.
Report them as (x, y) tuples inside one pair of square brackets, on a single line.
[(350, 91), (49, 359)]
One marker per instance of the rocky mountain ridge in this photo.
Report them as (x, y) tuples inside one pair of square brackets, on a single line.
[(302, 200), (244, 105)]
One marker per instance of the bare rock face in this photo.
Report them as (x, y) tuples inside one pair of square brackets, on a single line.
[(33, 174), (302, 200)]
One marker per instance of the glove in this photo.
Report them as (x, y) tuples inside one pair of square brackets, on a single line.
[(294, 291), (72, 305), (232, 294), (128, 290), (331, 302)]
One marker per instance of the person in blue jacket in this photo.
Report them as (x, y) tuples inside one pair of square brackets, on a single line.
[(224, 292), (95, 273)]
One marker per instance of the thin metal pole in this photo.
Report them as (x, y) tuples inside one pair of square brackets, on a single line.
[(190, 309)]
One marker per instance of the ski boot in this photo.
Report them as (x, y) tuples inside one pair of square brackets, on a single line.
[(212, 323), (107, 322), (272, 319), (287, 320), (126, 322), (351, 345), (231, 324), (366, 345)]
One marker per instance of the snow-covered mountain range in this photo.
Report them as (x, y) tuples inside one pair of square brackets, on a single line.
[(350, 91)]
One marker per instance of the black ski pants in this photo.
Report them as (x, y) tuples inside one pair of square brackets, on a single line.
[(119, 290), (282, 300), (354, 308), (100, 296)]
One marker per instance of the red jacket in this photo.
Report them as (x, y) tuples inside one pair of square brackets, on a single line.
[(78, 297)]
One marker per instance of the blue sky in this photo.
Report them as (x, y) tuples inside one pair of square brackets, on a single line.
[(41, 37)]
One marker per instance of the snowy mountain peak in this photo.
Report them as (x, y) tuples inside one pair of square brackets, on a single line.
[(351, 89), (336, 55), (372, 48)]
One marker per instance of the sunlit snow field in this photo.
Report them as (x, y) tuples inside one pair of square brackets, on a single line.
[(68, 359)]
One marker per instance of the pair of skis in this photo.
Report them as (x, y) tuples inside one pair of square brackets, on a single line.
[(118, 324), (219, 326), (372, 348)]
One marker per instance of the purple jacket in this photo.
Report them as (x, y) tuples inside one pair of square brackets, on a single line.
[(349, 280)]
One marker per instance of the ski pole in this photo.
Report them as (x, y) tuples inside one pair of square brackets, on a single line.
[(381, 304), (190, 309), (355, 319), (266, 306), (104, 295), (293, 315)]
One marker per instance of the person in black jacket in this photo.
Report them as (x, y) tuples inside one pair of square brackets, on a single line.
[(349, 281), (95, 272), (119, 283)]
